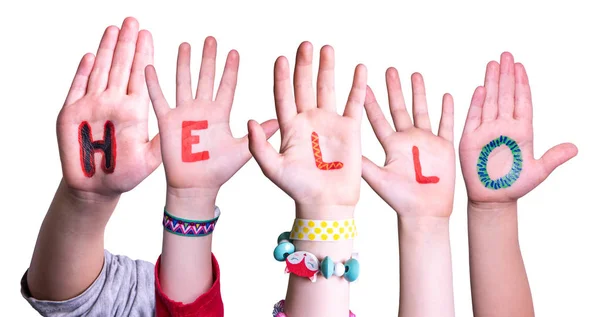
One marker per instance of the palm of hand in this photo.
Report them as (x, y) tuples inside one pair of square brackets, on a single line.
[(401, 189), (500, 161), (503, 108), (308, 166), (211, 155), (103, 92), (226, 154), (300, 176), (410, 191), (131, 135)]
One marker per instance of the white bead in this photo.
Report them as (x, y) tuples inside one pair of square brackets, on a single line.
[(339, 269)]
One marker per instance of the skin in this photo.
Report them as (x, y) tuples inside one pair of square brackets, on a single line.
[(192, 187), (293, 168), (423, 235), (499, 284), (69, 253)]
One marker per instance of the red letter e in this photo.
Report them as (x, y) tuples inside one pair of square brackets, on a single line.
[(187, 140)]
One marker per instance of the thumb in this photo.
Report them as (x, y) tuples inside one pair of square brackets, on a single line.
[(371, 173), (153, 154), (264, 153), (556, 156), (269, 128)]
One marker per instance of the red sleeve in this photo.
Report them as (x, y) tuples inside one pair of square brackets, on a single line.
[(209, 304)]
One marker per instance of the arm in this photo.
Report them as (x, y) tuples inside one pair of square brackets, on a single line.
[(426, 287), (200, 155), (498, 165), (327, 297), (69, 252), (496, 262), (318, 165)]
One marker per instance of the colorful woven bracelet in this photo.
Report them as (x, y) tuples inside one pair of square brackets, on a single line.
[(306, 264), (190, 228), (278, 310), (323, 230)]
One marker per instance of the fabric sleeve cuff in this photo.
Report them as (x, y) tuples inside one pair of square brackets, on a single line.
[(208, 304)]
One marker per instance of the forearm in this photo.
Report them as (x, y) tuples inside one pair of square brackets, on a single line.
[(186, 263), (325, 297), (69, 252), (426, 287), (499, 283)]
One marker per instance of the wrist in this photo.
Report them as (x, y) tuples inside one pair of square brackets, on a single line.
[(324, 212), (492, 211), (86, 209), (424, 227), (86, 202), (191, 203)]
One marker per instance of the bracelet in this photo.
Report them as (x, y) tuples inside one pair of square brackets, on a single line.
[(323, 230), (190, 228), (306, 264), (278, 310)]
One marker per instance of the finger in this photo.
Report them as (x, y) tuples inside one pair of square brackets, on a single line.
[(326, 80), (506, 91), (420, 113), (381, 126), (159, 103), (123, 57), (475, 110), (303, 89), (99, 75), (266, 156), (523, 103), (80, 81), (356, 98), (269, 128), (372, 173), (206, 81), (556, 156), (144, 56), (284, 101), (226, 91), (396, 100), (183, 77), (446, 129), (490, 106), (153, 154)]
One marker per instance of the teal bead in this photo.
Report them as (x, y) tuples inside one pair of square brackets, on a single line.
[(352, 270), (327, 267), (282, 251), (283, 236)]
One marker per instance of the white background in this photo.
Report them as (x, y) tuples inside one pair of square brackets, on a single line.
[(449, 42)]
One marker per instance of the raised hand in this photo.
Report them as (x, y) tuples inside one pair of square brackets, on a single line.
[(198, 149), (103, 127), (419, 172), (496, 149), (319, 163)]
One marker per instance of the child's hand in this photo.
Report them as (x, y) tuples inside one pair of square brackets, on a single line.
[(198, 149), (419, 172), (106, 112), (319, 164), (503, 109)]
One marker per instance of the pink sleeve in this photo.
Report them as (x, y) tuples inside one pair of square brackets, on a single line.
[(209, 304)]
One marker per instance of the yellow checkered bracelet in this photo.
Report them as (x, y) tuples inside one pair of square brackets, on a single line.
[(323, 230)]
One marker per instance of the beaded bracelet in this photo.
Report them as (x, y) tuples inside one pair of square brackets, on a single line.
[(278, 310), (190, 228), (306, 264)]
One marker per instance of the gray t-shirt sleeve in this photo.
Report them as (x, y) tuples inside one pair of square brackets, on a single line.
[(125, 287)]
